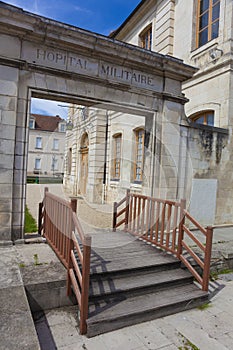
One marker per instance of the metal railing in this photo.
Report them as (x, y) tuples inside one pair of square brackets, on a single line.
[(60, 226), (162, 223)]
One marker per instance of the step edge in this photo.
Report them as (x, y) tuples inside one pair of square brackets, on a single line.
[(186, 280), (204, 295)]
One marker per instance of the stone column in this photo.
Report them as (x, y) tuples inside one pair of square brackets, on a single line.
[(8, 107)]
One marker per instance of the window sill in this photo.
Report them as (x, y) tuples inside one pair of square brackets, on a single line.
[(136, 185), (202, 49)]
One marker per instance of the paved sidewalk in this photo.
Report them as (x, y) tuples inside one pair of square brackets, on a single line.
[(208, 329)]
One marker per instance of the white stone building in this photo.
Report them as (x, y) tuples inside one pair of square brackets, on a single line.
[(46, 146), (199, 32)]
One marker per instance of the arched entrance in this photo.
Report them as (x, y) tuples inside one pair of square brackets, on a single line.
[(84, 164), (46, 59)]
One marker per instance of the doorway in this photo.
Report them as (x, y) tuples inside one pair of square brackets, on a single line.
[(84, 164)]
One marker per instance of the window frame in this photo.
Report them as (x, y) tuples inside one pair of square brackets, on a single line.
[(38, 144), (56, 144), (209, 10), (31, 123), (136, 161), (146, 35), (37, 160), (203, 114), (54, 164), (117, 155)]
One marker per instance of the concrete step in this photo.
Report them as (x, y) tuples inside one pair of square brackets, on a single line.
[(114, 313), (134, 283)]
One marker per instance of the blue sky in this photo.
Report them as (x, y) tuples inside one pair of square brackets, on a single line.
[(100, 16)]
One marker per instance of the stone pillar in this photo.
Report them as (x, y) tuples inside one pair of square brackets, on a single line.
[(165, 152), (96, 157), (20, 160), (8, 106)]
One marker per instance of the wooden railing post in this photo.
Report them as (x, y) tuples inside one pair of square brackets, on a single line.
[(114, 216), (73, 204), (45, 213), (207, 258), (127, 210), (40, 218), (181, 228), (85, 284)]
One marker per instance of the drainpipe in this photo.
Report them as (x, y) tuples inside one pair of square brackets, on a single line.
[(105, 159)]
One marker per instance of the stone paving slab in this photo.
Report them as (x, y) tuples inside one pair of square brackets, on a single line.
[(17, 331), (211, 328)]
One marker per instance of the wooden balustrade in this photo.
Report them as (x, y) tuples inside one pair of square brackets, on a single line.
[(162, 223), (60, 226)]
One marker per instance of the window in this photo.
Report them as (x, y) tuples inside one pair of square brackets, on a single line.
[(54, 163), (32, 124), (116, 168), (62, 127), (39, 142), (205, 117), (146, 38), (139, 155), (37, 164), (55, 144), (207, 21)]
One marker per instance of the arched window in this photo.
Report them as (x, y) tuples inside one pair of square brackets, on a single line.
[(207, 21), (116, 163), (204, 117), (84, 141), (139, 155), (145, 38)]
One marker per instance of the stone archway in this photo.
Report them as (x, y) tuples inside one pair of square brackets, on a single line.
[(47, 59)]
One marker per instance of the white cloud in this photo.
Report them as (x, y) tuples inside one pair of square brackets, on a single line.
[(82, 9), (47, 107), (30, 6)]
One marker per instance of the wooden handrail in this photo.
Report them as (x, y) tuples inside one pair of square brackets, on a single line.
[(60, 225), (162, 223)]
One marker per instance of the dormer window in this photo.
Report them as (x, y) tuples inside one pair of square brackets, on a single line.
[(145, 38), (62, 127), (32, 123)]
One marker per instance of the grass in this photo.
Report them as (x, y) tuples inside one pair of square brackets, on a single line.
[(30, 222), (204, 306), (187, 344), (215, 274)]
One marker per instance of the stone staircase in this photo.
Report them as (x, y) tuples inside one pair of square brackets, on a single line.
[(136, 282)]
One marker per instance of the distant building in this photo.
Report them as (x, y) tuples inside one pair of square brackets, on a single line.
[(46, 145)]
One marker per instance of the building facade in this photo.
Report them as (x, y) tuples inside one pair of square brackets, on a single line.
[(46, 147), (192, 155)]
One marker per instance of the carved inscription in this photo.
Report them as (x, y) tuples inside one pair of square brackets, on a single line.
[(74, 63), (61, 58), (127, 75)]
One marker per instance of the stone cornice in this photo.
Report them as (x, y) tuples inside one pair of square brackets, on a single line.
[(33, 28)]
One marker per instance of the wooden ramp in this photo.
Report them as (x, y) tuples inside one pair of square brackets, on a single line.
[(132, 282), (127, 277)]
